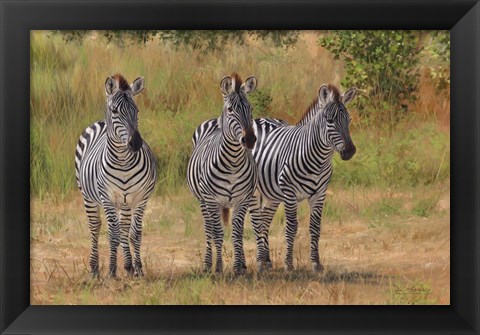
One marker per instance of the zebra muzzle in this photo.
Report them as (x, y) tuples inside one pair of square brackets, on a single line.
[(135, 141), (348, 152), (248, 139)]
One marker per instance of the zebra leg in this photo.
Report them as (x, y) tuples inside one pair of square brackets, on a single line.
[(256, 218), (113, 235), (290, 229), (261, 220), (268, 212), (239, 264), (136, 238), (208, 236), (316, 208), (217, 233), (125, 222), (94, 224)]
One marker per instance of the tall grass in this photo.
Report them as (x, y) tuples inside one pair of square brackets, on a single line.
[(182, 90)]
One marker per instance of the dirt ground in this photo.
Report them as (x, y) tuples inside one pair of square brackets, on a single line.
[(397, 258)]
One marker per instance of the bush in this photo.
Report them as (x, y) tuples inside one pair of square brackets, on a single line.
[(382, 65)]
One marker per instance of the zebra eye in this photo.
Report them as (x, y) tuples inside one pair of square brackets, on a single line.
[(114, 111), (329, 121)]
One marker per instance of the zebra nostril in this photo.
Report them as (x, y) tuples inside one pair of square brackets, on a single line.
[(135, 141), (243, 139)]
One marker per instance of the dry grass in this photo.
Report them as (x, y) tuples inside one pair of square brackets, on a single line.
[(370, 257)]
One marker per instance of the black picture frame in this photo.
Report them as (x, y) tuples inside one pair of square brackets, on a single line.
[(18, 17)]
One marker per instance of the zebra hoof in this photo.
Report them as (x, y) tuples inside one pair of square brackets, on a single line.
[(138, 272), (317, 267), (264, 266), (112, 275), (129, 269), (239, 271), (289, 267)]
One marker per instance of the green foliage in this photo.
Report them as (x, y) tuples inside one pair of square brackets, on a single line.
[(382, 65), (261, 100), (204, 40), (437, 54)]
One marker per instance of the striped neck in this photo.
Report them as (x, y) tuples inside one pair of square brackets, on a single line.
[(232, 152), (318, 149), (118, 151)]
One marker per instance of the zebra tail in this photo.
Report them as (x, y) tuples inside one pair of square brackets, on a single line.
[(225, 216)]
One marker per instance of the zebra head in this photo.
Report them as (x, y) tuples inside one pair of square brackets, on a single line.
[(236, 120), (336, 119), (122, 112)]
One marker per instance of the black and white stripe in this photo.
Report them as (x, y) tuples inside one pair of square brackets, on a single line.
[(116, 169), (294, 163), (222, 173)]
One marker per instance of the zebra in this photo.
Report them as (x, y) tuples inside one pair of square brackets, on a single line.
[(295, 163), (222, 173), (116, 169)]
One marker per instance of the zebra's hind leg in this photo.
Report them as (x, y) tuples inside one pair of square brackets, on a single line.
[(94, 224), (239, 265), (290, 229), (261, 217), (136, 238), (208, 236), (268, 212), (113, 235), (125, 222)]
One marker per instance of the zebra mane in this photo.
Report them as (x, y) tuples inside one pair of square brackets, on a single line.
[(236, 81), (312, 108), (122, 82)]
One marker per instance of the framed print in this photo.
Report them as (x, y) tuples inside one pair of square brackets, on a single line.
[(395, 112)]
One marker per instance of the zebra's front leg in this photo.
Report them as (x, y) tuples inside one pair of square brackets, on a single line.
[(290, 229), (94, 224), (217, 233), (239, 264), (113, 235), (315, 221), (207, 263), (136, 238), (125, 222)]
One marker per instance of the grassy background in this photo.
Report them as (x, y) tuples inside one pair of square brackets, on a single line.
[(182, 90), (397, 186)]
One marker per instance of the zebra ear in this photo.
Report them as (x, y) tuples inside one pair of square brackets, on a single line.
[(323, 93), (137, 85), (250, 84), (348, 95), (111, 85), (226, 85)]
